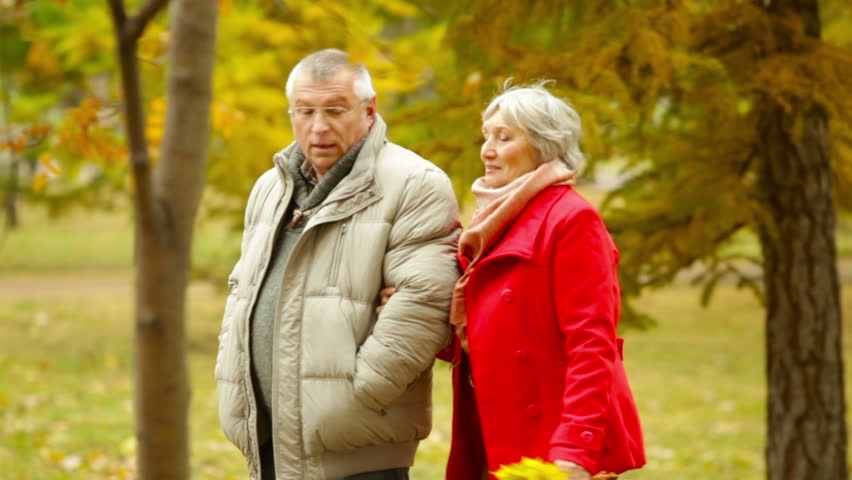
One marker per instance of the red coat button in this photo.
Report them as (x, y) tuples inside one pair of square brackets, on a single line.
[(533, 411), (508, 296), (587, 436), (521, 356)]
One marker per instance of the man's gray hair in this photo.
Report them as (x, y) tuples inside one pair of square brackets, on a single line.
[(551, 124), (324, 64)]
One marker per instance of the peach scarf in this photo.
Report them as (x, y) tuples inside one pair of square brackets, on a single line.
[(497, 210)]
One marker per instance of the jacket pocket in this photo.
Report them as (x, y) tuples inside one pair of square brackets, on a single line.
[(339, 422), (334, 271)]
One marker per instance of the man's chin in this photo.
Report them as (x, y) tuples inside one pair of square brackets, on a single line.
[(324, 162), (325, 154)]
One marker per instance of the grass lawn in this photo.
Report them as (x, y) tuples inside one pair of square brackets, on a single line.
[(66, 390)]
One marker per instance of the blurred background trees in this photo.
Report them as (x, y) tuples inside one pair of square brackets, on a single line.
[(720, 129)]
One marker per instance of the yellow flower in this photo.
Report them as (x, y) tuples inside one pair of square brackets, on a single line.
[(531, 469)]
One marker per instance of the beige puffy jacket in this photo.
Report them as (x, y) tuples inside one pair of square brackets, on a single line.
[(351, 389)]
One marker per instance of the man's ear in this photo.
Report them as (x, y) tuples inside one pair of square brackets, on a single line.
[(371, 110)]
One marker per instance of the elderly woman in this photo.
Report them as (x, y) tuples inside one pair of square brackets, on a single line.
[(539, 368)]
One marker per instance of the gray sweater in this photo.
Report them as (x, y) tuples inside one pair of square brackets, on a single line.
[(306, 197)]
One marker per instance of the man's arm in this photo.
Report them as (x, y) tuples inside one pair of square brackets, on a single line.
[(420, 262)]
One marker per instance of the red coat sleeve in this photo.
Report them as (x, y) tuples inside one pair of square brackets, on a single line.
[(586, 300)]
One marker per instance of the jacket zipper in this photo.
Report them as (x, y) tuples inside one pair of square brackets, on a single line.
[(298, 389), (252, 399), (338, 254)]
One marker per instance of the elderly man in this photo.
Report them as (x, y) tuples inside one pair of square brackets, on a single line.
[(313, 383)]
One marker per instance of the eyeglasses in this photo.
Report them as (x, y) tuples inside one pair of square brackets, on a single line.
[(304, 114)]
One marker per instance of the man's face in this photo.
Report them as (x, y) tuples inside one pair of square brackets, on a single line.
[(341, 120)]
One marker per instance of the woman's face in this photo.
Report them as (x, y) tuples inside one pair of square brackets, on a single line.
[(506, 152)]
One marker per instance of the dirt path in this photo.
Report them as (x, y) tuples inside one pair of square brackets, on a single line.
[(65, 285)]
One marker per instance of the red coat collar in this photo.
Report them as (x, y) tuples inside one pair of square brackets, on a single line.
[(520, 239)]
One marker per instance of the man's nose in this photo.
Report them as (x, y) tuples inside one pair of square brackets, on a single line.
[(319, 123)]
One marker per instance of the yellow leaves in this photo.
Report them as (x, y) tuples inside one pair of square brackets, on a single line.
[(226, 119), (158, 106), (16, 144), (83, 39), (314, 12), (46, 169), (87, 113), (399, 8), (154, 127), (42, 61), (153, 44), (247, 30), (49, 164), (530, 469), (87, 133), (39, 182), (26, 137), (38, 130)]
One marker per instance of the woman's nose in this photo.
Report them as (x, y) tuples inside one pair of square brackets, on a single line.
[(487, 151)]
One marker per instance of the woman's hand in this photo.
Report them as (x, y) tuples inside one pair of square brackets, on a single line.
[(577, 472), (384, 296)]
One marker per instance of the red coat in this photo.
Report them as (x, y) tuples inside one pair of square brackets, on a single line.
[(546, 365)]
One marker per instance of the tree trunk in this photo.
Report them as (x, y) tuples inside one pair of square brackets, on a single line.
[(164, 248), (165, 204), (806, 406), (10, 204)]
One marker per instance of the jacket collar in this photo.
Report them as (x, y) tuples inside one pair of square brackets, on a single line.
[(521, 238), (359, 183), (362, 171)]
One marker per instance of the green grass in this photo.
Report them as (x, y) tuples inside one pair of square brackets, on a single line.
[(66, 393), (65, 403), (98, 241)]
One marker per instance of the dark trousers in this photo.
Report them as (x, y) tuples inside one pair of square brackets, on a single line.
[(267, 468), (392, 474)]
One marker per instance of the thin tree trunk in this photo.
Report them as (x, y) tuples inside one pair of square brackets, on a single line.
[(806, 406), (10, 204), (166, 203)]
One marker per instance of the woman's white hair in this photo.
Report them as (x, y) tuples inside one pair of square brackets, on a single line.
[(324, 64), (552, 126)]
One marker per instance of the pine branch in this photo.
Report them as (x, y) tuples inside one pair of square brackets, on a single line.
[(663, 278)]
